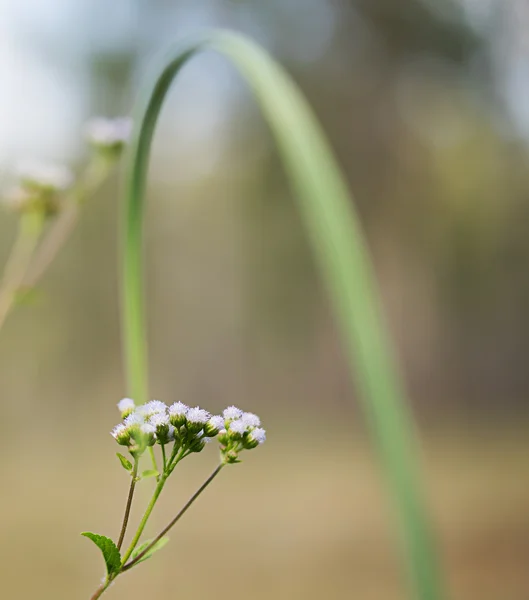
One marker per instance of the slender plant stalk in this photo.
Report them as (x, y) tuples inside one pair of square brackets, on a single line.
[(175, 520), (59, 232), (29, 232), (145, 518), (335, 235), (100, 590), (134, 475)]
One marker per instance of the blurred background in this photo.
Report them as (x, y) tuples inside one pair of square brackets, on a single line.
[(426, 104)]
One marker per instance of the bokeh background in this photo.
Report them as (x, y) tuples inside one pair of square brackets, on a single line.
[(426, 104)]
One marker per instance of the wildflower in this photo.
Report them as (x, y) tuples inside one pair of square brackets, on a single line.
[(133, 419), (241, 433), (121, 434), (151, 408), (148, 433), (196, 419), (126, 407), (177, 413), (232, 412), (164, 429), (108, 134), (45, 177), (214, 425), (198, 444), (237, 429), (250, 419), (255, 438)]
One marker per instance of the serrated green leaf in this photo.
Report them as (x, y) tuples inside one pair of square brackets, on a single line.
[(108, 548), (159, 544), (150, 473), (126, 464)]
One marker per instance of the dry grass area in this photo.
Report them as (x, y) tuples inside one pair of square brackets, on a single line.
[(292, 522)]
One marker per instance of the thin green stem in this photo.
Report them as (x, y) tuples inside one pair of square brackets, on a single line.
[(175, 520), (29, 232), (153, 458), (335, 234), (176, 457), (163, 458), (134, 476), (145, 518)]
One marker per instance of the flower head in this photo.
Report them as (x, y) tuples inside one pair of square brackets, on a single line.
[(232, 412), (126, 407), (177, 413), (151, 408), (238, 428), (45, 176), (134, 418), (250, 419), (198, 415), (121, 434), (108, 134), (258, 435), (214, 425)]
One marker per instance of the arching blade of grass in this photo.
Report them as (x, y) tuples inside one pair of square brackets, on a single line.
[(338, 244)]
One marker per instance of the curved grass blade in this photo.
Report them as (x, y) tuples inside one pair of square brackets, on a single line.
[(338, 244)]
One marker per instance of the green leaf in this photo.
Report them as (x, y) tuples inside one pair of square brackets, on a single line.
[(127, 465), (159, 544), (150, 473), (109, 549)]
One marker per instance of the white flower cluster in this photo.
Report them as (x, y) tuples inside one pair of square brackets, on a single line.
[(190, 428), (108, 134), (37, 187)]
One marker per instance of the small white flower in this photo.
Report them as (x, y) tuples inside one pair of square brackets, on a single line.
[(44, 175), (147, 429), (125, 405), (151, 408), (156, 406), (159, 420), (238, 426), (217, 421), (178, 409), (105, 132), (197, 415), (206, 440), (250, 419), (170, 434), (118, 431), (232, 412), (258, 434), (134, 419)]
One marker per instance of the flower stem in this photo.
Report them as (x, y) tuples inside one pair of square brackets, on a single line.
[(175, 520), (100, 590), (95, 175), (129, 504), (145, 518), (30, 229), (163, 457)]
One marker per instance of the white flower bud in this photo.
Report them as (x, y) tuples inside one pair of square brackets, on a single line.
[(177, 413), (126, 407), (250, 419), (108, 134), (232, 412)]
